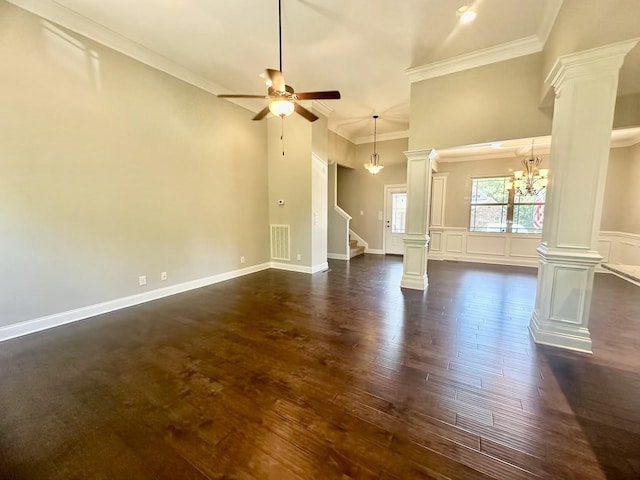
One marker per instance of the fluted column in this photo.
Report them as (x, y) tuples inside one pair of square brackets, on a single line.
[(585, 85), (416, 238)]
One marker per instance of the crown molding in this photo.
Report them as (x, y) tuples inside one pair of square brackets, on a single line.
[(470, 157), (321, 108), (626, 137), (82, 25), (382, 137), (479, 58), (625, 142)]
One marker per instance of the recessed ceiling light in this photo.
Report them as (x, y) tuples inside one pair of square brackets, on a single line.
[(466, 14)]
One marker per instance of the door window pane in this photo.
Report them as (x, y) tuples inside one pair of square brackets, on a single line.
[(398, 212)]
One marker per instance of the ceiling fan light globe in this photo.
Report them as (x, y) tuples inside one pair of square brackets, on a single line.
[(281, 108)]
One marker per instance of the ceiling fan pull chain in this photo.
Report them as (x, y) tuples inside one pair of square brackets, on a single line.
[(282, 134)]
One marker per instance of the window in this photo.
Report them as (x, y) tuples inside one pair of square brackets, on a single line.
[(496, 209)]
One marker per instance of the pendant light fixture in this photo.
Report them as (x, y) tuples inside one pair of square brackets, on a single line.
[(374, 164), (532, 179)]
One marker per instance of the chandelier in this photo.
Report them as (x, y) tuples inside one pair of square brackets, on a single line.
[(374, 164), (531, 180)]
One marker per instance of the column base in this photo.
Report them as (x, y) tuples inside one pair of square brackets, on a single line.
[(415, 282), (415, 262), (550, 333), (563, 298)]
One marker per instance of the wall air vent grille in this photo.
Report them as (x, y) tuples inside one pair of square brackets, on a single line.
[(280, 242)]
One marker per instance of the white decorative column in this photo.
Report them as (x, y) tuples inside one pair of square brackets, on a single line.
[(416, 238), (585, 86)]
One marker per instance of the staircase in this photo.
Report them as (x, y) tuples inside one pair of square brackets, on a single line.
[(354, 248)]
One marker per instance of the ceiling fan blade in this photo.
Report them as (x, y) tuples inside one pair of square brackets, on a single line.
[(277, 79), (262, 113), (304, 112), (328, 95), (241, 96)]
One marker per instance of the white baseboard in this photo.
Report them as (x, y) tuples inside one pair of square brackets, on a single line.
[(374, 251), (321, 267), (290, 267), (57, 319), (337, 256)]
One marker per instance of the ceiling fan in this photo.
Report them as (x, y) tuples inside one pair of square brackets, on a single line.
[(284, 100)]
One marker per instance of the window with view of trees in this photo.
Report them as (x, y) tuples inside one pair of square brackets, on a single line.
[(494, 208)]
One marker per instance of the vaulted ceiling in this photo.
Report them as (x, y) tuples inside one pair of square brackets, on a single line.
[(361, 47)]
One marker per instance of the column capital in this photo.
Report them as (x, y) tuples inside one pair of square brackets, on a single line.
[(419, 154), (595, 61)]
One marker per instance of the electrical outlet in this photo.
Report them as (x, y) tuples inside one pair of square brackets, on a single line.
[(142, 280), (361, 212), (163, 276), (299, 257), (241, 259)]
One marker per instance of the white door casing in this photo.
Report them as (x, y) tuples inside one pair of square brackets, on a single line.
[(395, 202)]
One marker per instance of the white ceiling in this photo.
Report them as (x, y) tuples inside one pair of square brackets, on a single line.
[(360, 47)]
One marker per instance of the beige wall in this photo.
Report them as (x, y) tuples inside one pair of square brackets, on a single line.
[(358, 190), (631, 222), (111, 170), (290, 180), (337, 225), (341, 151), (484, 104), (301, 182), (614, 208), (627, 113), (622, 195)]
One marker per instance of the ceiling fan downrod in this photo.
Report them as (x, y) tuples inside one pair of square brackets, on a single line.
[(280, 31)]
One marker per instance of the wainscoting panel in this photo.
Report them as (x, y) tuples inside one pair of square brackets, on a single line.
[(620, 248), (454, 242), (486, 244), (435, 241), (457, 243), (524, 246)]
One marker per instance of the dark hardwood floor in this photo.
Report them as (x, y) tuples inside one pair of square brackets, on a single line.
[(342, 374)]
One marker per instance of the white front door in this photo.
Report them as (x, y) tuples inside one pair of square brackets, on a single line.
[(395, 216)]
